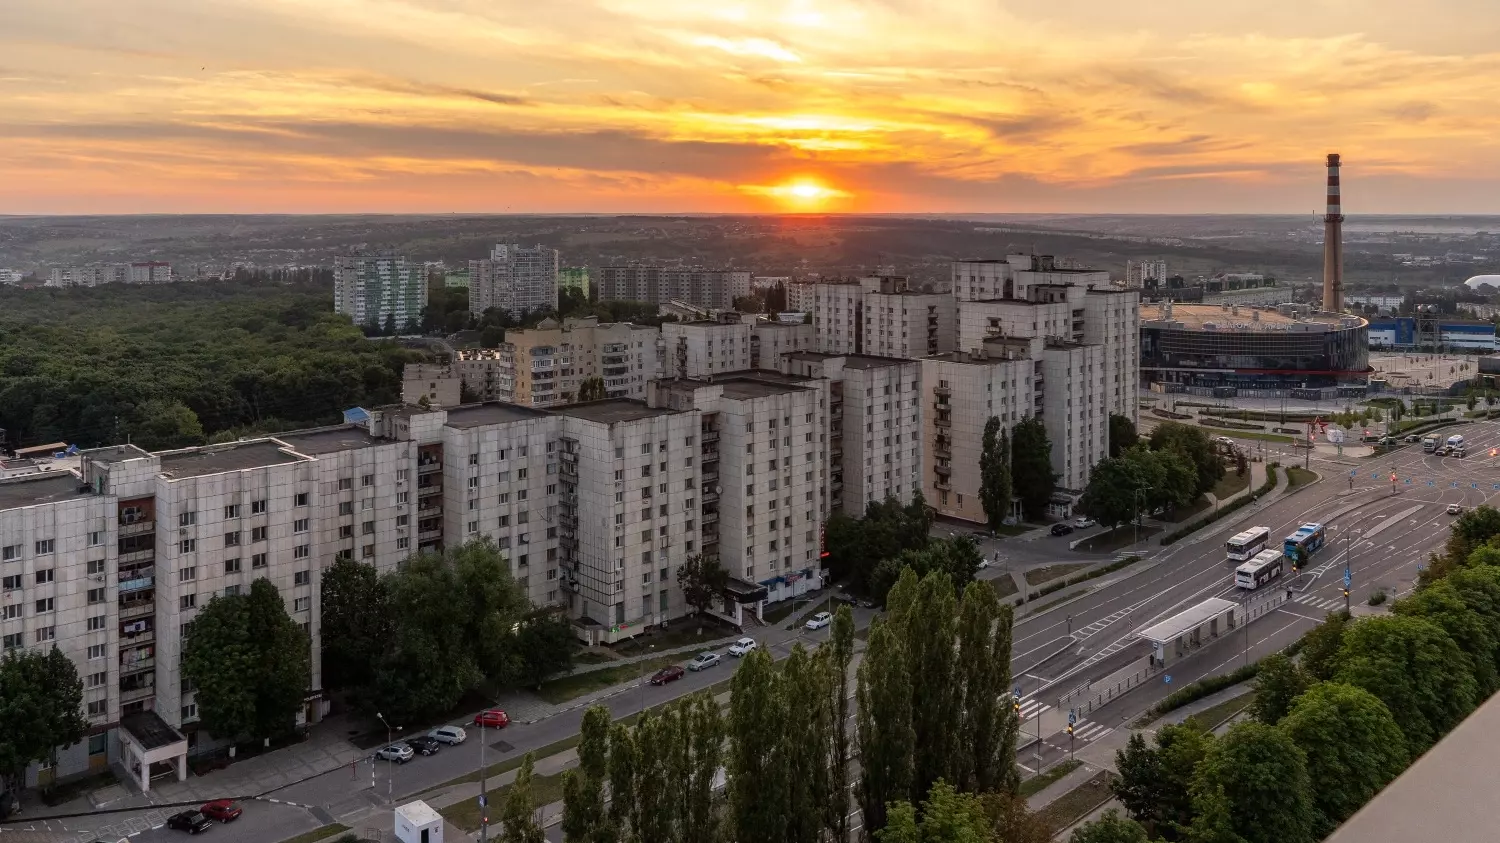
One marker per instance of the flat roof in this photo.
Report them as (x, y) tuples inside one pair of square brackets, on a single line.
[(217, 459), (870, 361), (969, 359), (756, 388), (33, 489), (1184, 622), (152, 731), (492, 412), (1194, 316), (612, 410), (1447, 795), (346, 438)]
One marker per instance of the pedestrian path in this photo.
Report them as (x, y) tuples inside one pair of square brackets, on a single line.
[(1326, 604), (1085, 731), (1032, 707)]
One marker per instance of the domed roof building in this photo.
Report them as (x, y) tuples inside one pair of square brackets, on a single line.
[(1483, 281)]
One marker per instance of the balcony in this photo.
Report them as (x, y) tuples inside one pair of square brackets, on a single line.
[(434, 510), (138, 583), (941, 449), (136, 528), (710, 475), (429, 490), (429, 467), (709, 435), (137, 610), (136, 665), (709, 495), (710, 516), (943, 485), (570, 457), (943, 470), (568, 543), (710, 453), (138, 556), (568, 520), (144, 635), (944, 391), (429, 535), (136, 693), (942, 405), (943, 421)]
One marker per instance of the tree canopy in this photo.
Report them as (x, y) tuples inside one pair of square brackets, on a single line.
[(41, 708), (1195, 446), (1031, 466), (1122, 434), (1253, 786), (1352, 745), (995, 488)]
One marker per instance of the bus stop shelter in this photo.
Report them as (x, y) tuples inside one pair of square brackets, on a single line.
[(1187, 631)]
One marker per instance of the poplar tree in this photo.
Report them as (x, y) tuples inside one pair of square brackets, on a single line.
[(623, 812), (935, 692), (706, 735), (1006, 778), (840, 651), (657, 739), (757, 765), (805, 679), (886, 741), (975, 765), (518, 816), (583, 819)]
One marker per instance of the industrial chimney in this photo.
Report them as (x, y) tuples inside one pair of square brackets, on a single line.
[(1333, 242)]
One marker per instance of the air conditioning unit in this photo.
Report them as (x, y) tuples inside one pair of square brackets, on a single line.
[(182, 531)]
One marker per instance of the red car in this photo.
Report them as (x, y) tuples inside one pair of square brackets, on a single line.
[(667, 674), (492, 718), (222, 810)]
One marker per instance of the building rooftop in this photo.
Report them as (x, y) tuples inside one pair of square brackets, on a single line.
[(756, 387), (152, 731), (1195, 317), (871, 361), (973, 360), (491, 412), (330, 440), (1184, 622), (612, 411), (111, 454), (34, 489), (217, 459)]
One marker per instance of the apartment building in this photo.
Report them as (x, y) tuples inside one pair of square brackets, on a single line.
[(874, 425), (837, 309), (575, 278), (11, 277), (97, 274), (379, 291), (436, 384), (546, 365), (1145, 273), (706, 347), (899, 322), (515, 279), (710, 288), (1112, 321), (769, 340)]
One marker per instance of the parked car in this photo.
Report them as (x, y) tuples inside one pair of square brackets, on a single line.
[(450, 735), (1084, 523), (1061, 529), (983, 563), (866, 604), (1412, 437), (424, 745), (844, 597), (670, 673), (1455, 509), (192, 822), (397, 752), (742, 647), (492, 718), (703, 661), (819, 621), (1460, 451), (222, 810)]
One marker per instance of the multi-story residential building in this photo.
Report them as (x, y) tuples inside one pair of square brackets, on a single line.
[(979, 280), (548, 364), (704, 348), (769, 340), (711, 288), (575, 278), (94, 275), (1138, 273), (901, 323), (11, 277), (837, 308), (150, 272), (379, 291), (433, 384), (1112, 321), (516, 279), (874, 426), (456, 278)]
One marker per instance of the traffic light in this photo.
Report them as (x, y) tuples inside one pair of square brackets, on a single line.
[(1070, 730), (1494, 451), (1346, 594), (1018, 707)]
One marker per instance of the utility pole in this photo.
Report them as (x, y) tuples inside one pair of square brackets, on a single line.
[(484, 808)]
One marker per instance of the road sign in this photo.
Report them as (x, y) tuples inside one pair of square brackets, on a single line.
[(1167, 679), (483, 800), (1017, 692), (1072, 716), (1347, 578)]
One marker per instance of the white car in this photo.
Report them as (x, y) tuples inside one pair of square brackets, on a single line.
[(983, 563), (819, 621), (1455, 509), (397, 752), (450, 735), (1082, 523), (703, 661), (742, 647)]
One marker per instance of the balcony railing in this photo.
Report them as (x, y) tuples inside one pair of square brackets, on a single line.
[(429, 535), (943, 484), (429, 467), (137, 610), (942, 421), (133, 694), (135, 528), (943, 470), (942, 406), (942, 390), (138, 583), (136, 665), (710, 434), (710, 516), (429, 491), (709, 495), (138, 556)]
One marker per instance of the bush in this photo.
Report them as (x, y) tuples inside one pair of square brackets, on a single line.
[(1192, 527), (1377, 597), (1083, 577), (1200, 689)]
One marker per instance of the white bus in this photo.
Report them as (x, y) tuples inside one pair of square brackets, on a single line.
[(1245, 545), (1266, 566)]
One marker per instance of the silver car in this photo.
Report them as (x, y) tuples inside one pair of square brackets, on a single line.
[(397, 752), (703, 661)]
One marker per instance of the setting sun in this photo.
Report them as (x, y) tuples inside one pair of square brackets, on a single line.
[(799, 193)]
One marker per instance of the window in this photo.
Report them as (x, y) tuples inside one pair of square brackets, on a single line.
[(96, 595), (96, 680), (189, 712), (46, 633), (187, 519), (231, 590), (300, 525), (187, 601), (98, 708), (473, 526), (187, 574), (473, 482), (10, 612), (402, 473), (11, 583), (232, 566), (403, 520), (302, 604), (520, 474), (401, 497), (346, 483), (301, 499), (96, 623), (258, 561), (44, 547), (11, 641), (232, 511), (187, 546), (258, 534), (232, 539), (44, 576), (300, 551), (367, 528), (10, 553), (346, 531), (346, 508), (98, 651), (367, 480), (96, 538), (403, 543)]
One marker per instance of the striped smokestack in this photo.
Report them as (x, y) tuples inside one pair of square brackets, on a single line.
[(1333, 242)]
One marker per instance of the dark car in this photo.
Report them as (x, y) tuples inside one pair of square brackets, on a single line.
[(1061, 529), (190, 821), (845, 598), (671, 673), (222, 810), (423, 745)]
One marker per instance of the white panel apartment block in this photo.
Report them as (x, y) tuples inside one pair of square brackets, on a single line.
[(705, 348)]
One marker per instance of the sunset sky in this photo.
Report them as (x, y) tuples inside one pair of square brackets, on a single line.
[(132, 106)]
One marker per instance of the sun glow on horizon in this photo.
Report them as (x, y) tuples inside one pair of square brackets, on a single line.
[(801, 192)]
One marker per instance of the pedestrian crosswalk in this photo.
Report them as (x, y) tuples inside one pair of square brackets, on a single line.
[(1031, 707), (1324, 603), (1085, 731)]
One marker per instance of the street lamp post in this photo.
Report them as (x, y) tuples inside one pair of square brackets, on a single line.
[(641, 676), (389, 769), (1137, 498), (484, 799)]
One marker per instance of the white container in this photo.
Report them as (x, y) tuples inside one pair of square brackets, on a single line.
[(417, 822)]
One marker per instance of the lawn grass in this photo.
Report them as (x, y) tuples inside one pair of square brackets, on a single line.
[(1078, 802), (465, 814), (1004, 585), (1184, 513), (1034, 785), (1122, 536), (1217, 715), (822, 606), (571, 687), (1040, 576), (322, 833), (1299, 477), (594, 655), (1231, 484), (780, 612), (684, 634)]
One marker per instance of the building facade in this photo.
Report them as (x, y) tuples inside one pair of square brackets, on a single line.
[(575, 278), (900, 323), (379, 291), (1252, 347), (710, 288), (704, 348), (838, 311), (515, 279), (547, 365)]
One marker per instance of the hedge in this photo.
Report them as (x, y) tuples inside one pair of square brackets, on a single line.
[(1093, 573), (1244, 500), (1198, 690)]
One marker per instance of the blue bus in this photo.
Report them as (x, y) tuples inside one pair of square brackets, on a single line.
[(1301, 545)]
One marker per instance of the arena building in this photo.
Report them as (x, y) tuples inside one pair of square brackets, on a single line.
[(1290, 346)]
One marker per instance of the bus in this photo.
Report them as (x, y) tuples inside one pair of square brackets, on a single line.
[(1244, 546), (1266, 566), (1308, 539)]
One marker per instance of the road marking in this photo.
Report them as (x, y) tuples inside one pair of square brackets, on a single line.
[(1030, 708), (1300, 615)]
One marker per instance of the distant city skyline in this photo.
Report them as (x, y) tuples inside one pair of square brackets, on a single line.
[(855, 106)]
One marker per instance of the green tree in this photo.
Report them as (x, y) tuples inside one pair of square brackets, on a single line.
[(518, 815), (624, 812), (757, 761), (1470, 531), (388, 328), (841, 655), (1447, 606), (430, 662), (1321, 646), (583, 819), (544, 646), (1195, 446), (1155, 781), (163, 425), (659, 747), (1122, 434), (805, 736), (1415, 668), (947, 817), (1012, 822), (985, 674), (1110, 497), (931, 638), (994, 473), (1254, 782), (706, 734), (958, 557), (356, 626), (41, 709), (1353, 748), (251, 662), (1031, 466), (883, 715), (702, 580), (1110, 828), (592, 389), (1278, 682)]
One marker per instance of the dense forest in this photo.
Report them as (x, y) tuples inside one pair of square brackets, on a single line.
[(181, 364)]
